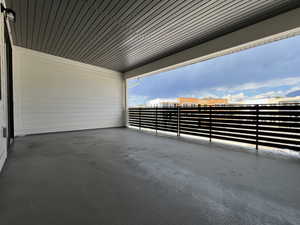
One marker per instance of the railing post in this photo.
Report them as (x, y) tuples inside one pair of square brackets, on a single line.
[(257, 122), (140, 117), (178, 120), (156, 120), (210, 123)]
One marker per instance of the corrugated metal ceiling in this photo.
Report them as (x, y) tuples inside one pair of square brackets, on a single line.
[(122, 35)]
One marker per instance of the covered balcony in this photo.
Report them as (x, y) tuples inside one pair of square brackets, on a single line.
[(67, 152)]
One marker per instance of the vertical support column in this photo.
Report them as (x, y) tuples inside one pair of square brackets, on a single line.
[(178, 120), (210, 123), (257, 122), (125, 100), (140, 117), (156, 120)]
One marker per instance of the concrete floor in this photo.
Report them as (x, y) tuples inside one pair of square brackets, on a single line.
[(121, 176)]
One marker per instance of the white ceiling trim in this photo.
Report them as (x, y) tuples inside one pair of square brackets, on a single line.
[(279, 27)]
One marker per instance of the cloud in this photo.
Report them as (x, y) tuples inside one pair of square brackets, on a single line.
[(236, 97), (257, 85), (199, 94), (269, 94), (134, 100), (295, 88)]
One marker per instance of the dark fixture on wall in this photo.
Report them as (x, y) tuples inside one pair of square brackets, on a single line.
[(9, 13)]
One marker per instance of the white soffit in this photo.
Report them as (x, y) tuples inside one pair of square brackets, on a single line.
[(280, 27)]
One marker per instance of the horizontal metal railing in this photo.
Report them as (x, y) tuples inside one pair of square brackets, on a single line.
[(266, 125)]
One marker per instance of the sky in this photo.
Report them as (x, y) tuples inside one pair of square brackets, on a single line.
[(269, 70)]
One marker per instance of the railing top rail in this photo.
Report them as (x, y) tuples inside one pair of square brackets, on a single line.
[(216, 106)]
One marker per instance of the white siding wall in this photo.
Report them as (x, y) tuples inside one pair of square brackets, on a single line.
[(55, 94)]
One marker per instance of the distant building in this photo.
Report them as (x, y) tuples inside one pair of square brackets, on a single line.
[(186, 102), (163, 102), (202, 101), (181, 101)]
